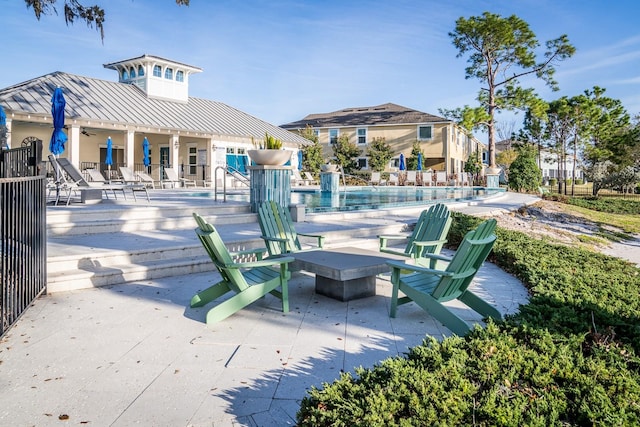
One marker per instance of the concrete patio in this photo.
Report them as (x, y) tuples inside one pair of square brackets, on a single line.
[(136, 354)]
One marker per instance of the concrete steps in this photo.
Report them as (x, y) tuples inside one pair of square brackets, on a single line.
[(118, 244)]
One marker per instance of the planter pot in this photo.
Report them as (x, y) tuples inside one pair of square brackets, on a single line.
[(493, 171), (329, 168), (270, 157)]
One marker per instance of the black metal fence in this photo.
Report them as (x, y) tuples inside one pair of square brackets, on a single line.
[(23, 229)]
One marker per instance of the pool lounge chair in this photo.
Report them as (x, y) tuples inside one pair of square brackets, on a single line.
[(431, 287), (173, 179), (441, 178), (411, 178), (146, 179), (249, 281), (393, 179), (310, 178), (376, 179)]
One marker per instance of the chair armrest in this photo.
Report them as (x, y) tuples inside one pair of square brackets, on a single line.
[(257, 252), (315, 236), (398, 265), (384, 237), (418, 246), (277, 260), (391, 251)]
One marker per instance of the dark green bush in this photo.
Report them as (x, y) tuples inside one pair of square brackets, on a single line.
[(570, 357)]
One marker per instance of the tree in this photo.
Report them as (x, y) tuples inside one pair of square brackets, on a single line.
[(73, 9), (501, 50), (346, 153), (474, 165), (412, 160), (312, 157), (524, 173), (380, 154)]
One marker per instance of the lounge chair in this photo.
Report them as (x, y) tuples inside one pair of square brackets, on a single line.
[(96, 177), (463, 179), (393, 179), (426, 179), (146, 179), (173, 179), (428, 236), (60, 186), (411, 178), (376, 179), (441, 178), (297, 179), (430, 287), (86, 187), (249, 281), (278, 231), (310, 178)]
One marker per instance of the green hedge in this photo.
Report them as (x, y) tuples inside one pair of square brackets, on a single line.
[(568, 358)]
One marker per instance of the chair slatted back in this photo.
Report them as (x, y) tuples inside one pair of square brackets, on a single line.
[(275, 222), (433, 224), (464, 265), (72, 172), (219, 254)]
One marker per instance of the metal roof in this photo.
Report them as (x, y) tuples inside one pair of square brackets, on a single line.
[(384, 114), (119, 103)]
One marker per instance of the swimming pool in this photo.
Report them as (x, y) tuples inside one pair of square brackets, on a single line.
[(361, 198)]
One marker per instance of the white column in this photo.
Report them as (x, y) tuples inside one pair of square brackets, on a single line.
[(211, 158), (9, 137), (174, 144), (129, 147), (73, 145)]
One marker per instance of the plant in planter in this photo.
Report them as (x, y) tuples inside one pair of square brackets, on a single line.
[(269, 152)]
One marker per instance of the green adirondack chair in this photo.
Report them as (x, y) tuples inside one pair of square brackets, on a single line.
[(429, 287), (278, 231), (248, 280), (428, 237)]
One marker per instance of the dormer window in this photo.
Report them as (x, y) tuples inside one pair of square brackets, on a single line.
[(157, 71), (140, 71), (132, 73), (125, 75), (179, 76), (168, 73)]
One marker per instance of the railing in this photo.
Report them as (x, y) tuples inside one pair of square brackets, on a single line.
[(23, 230)]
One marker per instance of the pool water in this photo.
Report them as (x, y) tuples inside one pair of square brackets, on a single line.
[(360, 198)]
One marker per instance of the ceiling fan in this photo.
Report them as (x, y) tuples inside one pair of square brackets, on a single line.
[(86, 133)]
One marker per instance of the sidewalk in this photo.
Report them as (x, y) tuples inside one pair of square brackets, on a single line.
[(136, 354)]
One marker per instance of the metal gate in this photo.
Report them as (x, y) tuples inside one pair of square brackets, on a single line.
[(23, 228)]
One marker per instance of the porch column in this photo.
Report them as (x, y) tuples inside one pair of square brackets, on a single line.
[(174, 146), (9, 136), (73, 145), (211, 160), (128, 139)]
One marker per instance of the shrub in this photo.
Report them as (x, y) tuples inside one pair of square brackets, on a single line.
[(569, 357)]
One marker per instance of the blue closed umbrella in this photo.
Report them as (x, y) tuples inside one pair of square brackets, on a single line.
[(145, 151), (299, 159), (3, 129), (419, 167), (58, 138), (108, 160), (402, 165)]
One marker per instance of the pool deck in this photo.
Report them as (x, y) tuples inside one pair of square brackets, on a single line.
[(136, 354)]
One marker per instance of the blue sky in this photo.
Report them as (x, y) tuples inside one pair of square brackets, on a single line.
[(280, 60)]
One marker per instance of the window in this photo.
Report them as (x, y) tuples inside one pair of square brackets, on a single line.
[(193, 159), (168, 74), (157, 71), (333, 136), (241, 150), (230, 150), (424, 132), (179, 76), (362, 136), (132, 73), (362, 163), (125, 75), (140, 71), (316, 132)]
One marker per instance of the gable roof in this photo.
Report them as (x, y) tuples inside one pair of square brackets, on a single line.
[(118, 103), (384, 114)]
